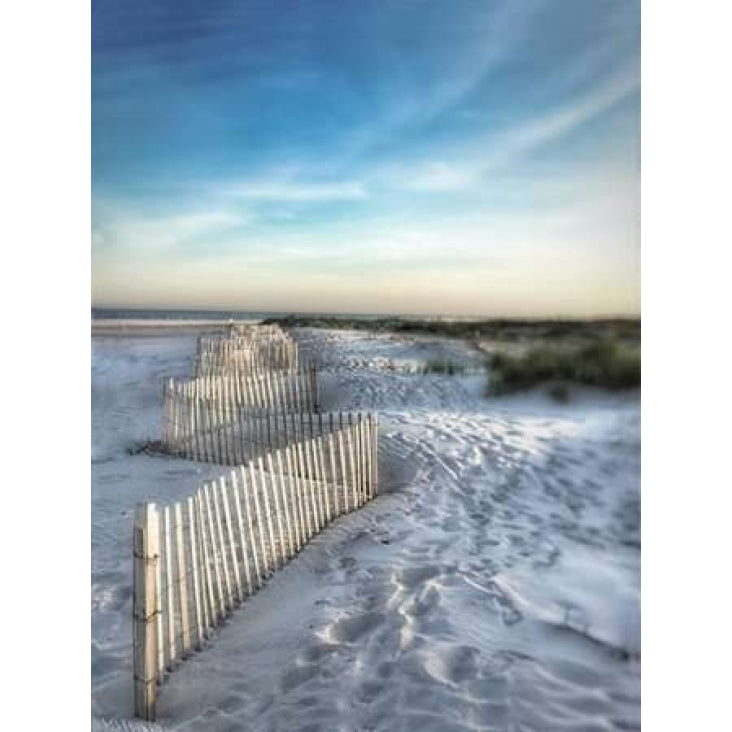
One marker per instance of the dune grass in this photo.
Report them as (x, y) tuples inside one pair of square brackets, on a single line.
[(606, 363), (505, 329), (443, 366), (602, 352)]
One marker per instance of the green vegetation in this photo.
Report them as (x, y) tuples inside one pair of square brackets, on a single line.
[(443, 366), (606, 362), (597, 352), (624, 329)]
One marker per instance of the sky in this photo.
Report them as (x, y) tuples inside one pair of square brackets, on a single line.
[(442, 157)]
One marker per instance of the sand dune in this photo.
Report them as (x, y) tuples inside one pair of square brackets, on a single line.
[(495, 585)]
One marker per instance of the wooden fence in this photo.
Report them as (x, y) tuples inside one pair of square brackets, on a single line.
[(250, 355), (231, 418), (197, 560), (257, 330)]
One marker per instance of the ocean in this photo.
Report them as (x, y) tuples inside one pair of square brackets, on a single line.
[(165, 314)]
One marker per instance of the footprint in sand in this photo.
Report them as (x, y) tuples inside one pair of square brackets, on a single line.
[(426, 603), (349, 630), (297, 676)]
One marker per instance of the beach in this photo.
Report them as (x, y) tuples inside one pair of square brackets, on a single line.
[(494, 584)]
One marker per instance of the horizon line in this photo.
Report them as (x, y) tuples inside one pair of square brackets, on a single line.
[(296, 313)]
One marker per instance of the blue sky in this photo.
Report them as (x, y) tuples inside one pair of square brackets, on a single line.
[(468, 158)]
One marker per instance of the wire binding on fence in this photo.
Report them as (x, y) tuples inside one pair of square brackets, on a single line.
[(196, 561)]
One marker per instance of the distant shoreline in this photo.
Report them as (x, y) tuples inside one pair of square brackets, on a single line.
[(215, 315), (122, 322), (119, 326)]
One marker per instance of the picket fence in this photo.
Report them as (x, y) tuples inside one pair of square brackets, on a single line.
[(257, 330), (197, 560), (230, 418), (250, 355)]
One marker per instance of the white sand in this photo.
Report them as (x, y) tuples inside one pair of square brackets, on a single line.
[(494, 585)]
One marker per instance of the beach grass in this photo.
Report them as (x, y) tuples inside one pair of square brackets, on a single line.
[(500, 329), (444, 366), (521, 353), (607, 363)]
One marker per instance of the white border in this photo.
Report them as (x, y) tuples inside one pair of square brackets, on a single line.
[(45, 283), (685, 232)]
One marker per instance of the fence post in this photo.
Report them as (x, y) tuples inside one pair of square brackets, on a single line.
[(344, 472), (376, 454), (266, 557), (258, 569), (242, 539), (146, 555), (166, 409), (216, 489), (334, 484), (362, 458), (169, 588), (193, 548), (305, 506), (314, 382), (298, 397), (353, 476), (209, 605), (278, 509), (268, 513), (310, 478), (293, 500), (220, 602), (230, 537)]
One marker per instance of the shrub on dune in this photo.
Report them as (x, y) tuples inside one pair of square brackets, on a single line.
[(605, 363), (443, 366)]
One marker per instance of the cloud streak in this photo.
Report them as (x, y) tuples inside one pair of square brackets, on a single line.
[(503, 149), (288, 192)]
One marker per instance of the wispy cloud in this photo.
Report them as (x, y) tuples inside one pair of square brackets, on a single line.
[(294, 191), (488, 39), (440, 176), (126, 232), (552, 126), (470, 161)]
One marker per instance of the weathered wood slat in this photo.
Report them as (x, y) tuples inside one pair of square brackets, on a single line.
[(195, 569), (159, 599), (145, 592), (250, 524), (268, 515), (266, 558), (216, 488), (170, 588), (230, 544), (220, 604), (211, 609), (243, 543)]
